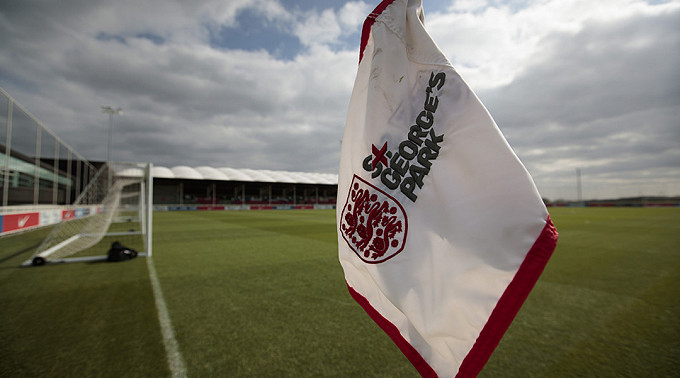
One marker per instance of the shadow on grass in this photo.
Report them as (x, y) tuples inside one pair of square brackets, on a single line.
[(19, 253), (103, 259)]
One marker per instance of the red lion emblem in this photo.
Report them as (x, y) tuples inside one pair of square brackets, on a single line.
[(373, 223)]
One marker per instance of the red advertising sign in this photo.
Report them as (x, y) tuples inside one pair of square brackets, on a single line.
[(68, 214), (13, 222), (203, 208)]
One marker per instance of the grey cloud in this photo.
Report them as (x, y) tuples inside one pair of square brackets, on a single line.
[(601, 72), (607, 98)]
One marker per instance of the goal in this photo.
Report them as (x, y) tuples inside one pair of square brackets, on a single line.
[(116, 207)]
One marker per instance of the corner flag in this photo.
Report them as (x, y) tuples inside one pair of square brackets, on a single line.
[(442, 233)]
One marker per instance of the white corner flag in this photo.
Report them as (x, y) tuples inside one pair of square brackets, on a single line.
[(442, 233)]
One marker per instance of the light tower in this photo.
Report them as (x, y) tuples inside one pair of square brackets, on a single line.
[(110, 111)]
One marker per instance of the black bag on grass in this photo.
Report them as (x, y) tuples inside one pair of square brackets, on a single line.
[(119, 252)]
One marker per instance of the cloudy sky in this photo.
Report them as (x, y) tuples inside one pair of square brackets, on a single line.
[(265, 84)]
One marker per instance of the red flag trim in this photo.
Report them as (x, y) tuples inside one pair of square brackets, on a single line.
[(366, 30), (505, 311), (510, 302), (393, 332)]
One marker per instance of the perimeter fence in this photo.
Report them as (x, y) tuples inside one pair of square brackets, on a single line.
[(37, 168)]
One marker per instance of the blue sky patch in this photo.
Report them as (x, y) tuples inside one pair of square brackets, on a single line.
[(103, 36), (254, 32)]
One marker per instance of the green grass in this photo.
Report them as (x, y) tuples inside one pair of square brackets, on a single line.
[(607, 304), (261, 293), (76, 320)]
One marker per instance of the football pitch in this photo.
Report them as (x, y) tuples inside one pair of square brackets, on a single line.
[(261, 294)]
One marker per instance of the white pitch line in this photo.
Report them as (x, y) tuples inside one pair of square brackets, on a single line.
[(175, 361)]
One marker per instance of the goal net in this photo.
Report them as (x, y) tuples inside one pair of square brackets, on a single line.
[(115, 207)]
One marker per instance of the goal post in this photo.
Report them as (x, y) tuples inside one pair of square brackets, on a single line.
[(149, 209), (117, 206)]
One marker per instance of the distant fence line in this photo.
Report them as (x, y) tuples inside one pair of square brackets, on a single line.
[(24, 220), (616, 204), (36, 167)]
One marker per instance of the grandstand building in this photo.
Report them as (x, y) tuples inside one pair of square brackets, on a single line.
[(224, 187), (60, 183)]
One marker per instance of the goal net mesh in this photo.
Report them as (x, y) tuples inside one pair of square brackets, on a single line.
[(113, 208)]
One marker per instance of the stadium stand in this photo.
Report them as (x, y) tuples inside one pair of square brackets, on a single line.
[(210, 186)]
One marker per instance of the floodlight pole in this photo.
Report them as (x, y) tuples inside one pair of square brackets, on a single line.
[(110, 111)]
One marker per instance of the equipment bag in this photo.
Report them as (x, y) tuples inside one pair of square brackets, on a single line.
[(119, 252)]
